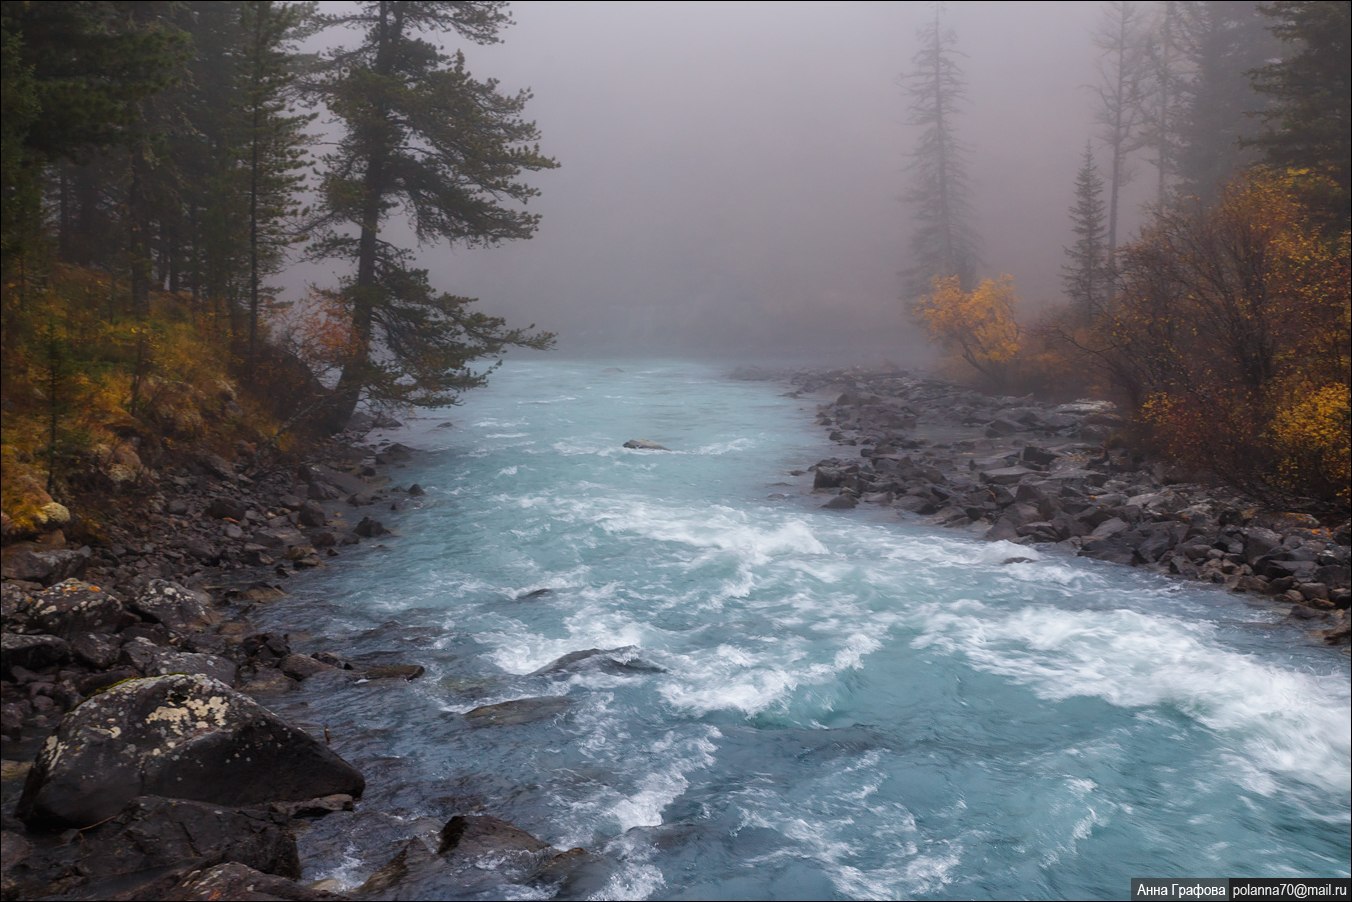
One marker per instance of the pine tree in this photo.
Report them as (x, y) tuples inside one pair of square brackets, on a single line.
[(943, 243), (1308, 125), (420, 135), (1085, 275)]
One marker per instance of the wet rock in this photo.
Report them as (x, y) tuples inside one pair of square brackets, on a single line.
[(827, 477), (843, 501), (242, 883), (301, 667), (369, 528), (482, 835), (517, 711), (393, 672), (643, 444), (619, 661), (180, 736), (154, 840)]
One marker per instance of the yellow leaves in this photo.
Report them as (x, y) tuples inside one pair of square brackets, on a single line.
[(979, 324), (1312, 435)]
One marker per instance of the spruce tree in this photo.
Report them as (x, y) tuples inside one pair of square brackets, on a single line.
[(271, 140), (943, 243), (422, 137), (1308, 126), (1085, 275), (1222, 41)]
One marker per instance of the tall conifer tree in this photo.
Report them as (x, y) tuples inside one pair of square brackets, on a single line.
[(422, 137), (943, 243), (1085, 274)]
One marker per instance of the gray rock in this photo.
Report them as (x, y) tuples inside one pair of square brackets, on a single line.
[(843, 501), (233, 880), (33, 563), (643, 444), (518, 711), (227, 508), (1005, 475), (177, 607), (179, 736), (301, 667), (211, 666), (31, 652), (153, 838), (96, 650), (69, 608)]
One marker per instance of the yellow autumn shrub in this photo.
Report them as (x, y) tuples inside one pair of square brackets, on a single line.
[(1313, 436), (978, 325)]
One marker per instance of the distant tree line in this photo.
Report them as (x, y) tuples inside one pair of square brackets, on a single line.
[(173, 147), (1225, 326)]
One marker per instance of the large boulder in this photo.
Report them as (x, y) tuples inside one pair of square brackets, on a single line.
[(69, 608), (181, 736)]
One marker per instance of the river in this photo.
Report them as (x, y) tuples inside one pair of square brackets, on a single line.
[(794, 702)]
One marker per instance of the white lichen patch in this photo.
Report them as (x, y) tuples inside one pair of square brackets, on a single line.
[(51, 751), (192, 714)]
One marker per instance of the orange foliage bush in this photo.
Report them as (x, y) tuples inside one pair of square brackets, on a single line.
[(1230, 334), (978, 325)]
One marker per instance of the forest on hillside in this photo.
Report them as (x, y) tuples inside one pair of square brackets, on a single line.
[(166, 162)]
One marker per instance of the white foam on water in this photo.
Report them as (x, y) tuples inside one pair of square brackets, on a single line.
[(1001, 551), (720, 529), (1288, 722), (718, 448), (636, 878), (508, 471)]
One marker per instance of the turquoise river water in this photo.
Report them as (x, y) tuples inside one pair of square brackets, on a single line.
[(800, 703)]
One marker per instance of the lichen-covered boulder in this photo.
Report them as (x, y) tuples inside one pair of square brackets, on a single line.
[(181, 736), (69, 608), (180, 609)]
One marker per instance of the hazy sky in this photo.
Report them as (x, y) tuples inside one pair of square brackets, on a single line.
[(731, 172)]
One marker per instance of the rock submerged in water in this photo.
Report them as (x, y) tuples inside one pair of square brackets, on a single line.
[(517, 711), (643, 444), (178, 736)]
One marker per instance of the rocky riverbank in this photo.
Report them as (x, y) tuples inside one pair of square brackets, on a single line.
[(1030, 473), (138, 760)]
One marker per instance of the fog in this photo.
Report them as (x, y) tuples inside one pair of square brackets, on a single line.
[(731, 173)]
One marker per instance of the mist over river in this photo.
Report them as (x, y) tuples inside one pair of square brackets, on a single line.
[(792, 702)]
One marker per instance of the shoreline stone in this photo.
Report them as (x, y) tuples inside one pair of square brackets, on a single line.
[(1021, 471)]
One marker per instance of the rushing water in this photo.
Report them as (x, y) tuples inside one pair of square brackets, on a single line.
[(802, 703)]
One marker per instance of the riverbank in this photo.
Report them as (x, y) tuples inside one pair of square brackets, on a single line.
[(1029, 473), (160, 609)]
